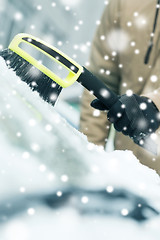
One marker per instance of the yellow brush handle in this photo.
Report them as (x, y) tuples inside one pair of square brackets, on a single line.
[(71, 77)]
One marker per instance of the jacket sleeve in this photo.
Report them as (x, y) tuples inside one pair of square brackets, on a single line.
[(103, 64), (155, 97)]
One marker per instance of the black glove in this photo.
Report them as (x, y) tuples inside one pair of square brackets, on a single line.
[(132, 115)]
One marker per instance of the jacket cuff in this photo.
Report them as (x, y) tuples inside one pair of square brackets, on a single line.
[(155, 97)]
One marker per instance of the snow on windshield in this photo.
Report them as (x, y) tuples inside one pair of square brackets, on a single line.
[(41, 154)]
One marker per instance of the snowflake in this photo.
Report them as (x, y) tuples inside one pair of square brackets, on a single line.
[(124, 84), (53, 97), (64, 178), (48, 127), (32, 122), (120, 65), (143, 106), (31, 211), (76, 28), (108, 72), (98, 22), (114, 53), (124, 212), (83, 48), (42, 168), (88, 44), (135, 14), (67, 8), (142, 123), (109, 189), (119, 115), (59, 193), (35, 147), (106, 57), (104, 93), (140, 79), (18, 16), (102, 37), (122, 43), (22, 189), (80, 22), (87, 64), (129, 92), (154, 78), (32, 26), (84, 199), (137, 51), (70, 2), (106, 2), (96, 113), (18, 134), (76, 47), (53, 4), (133, 44), (39, 7), (153, 136), (129, 24), (59, 43), (101, 70)]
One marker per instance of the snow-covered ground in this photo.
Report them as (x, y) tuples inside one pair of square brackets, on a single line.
[(54, 184)]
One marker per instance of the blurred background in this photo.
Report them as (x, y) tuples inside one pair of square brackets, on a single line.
[(53, 182), (66, 24)]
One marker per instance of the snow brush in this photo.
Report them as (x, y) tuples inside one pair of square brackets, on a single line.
[(49, 85)]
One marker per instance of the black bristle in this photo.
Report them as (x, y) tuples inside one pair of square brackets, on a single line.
[(19, 64), (37, 80), (22, 69)]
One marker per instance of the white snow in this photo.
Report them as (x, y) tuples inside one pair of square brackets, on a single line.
[(41, 153), (70, 2)]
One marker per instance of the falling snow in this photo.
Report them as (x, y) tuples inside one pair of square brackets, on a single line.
[(123, 40), (129, 92), (41, 154), (96, 113), (31, 211), (50, 157), (84, 200), (140, 21), (124, 212), (18, 16), (154, 78), (110, 189)]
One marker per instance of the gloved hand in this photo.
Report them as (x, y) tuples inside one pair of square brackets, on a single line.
[(133, 115)]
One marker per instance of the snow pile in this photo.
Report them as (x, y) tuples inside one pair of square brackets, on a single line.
[(40, 152)]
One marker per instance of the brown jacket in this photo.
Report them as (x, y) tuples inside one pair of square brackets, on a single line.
[(117, 58)]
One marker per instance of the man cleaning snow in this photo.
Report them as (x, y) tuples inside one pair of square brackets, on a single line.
[(125, 56)]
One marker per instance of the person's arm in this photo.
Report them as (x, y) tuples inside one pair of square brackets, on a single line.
[(104, 66), (133, 115)]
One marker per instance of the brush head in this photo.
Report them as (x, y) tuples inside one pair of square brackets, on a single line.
[(37, 75), (37, 80)]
